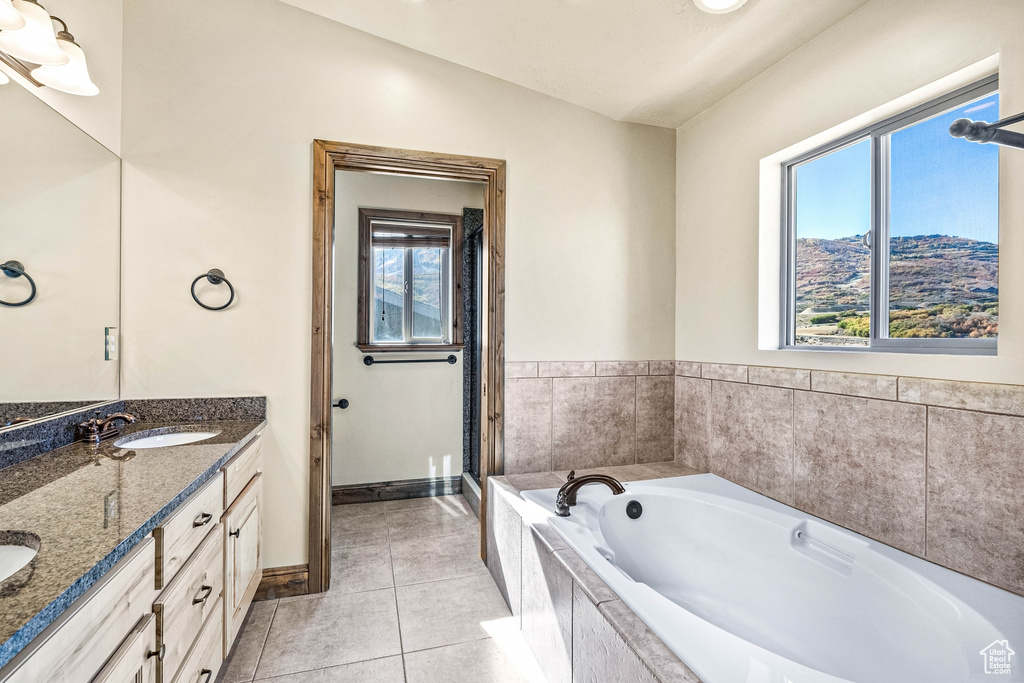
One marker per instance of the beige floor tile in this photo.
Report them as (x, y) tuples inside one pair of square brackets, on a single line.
[(347, 532), (505, 659), (431, 521), (240, 666), (361, 568), (385, 670), (328, 630), (356, 509), (436, 558), (457, 502), (453, 611)]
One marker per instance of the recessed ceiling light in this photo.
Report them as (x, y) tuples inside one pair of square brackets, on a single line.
[(719, 6)]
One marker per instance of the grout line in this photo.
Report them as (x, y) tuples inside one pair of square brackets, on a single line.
[(322, 668), (263, 648)]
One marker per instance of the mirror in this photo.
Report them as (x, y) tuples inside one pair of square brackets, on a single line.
[(60, 225)]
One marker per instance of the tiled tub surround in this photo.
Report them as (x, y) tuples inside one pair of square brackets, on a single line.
[(578, 414), (90, 509), (575, 625), (932, 467)]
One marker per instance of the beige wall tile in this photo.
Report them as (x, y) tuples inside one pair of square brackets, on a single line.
[(687, 369), (515, 369), (861, 464), (504, 544), (854, 384), (527, 425), (547, 608), (593, 422), (599, 654), (724, 372), (789, 378), (584, 577), (975, 506), (662, 367), (752, 437), (664, 663), (693, 422), (583, 368), (654, 419), (991, 398), (619, 368), (663, 470)]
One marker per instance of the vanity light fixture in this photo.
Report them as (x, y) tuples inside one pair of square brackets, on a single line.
[(34, 42), (73, 77), (4, 80), (719, 6), (10, 18)]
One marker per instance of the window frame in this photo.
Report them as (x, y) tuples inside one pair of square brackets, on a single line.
[(878, 234), (429, 225)]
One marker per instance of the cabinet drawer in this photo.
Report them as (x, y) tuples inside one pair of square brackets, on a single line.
[(83, 638), (135, 661), (188, 601), (240, 470), (203, 662), (243, 557), (182, 532)]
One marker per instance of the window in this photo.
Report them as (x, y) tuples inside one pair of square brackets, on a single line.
[(408, 281), (892, 235)]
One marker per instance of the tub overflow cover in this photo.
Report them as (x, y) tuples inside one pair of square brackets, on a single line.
[(634, 509)]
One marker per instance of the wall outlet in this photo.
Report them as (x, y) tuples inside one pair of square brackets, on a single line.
[(110, 344)]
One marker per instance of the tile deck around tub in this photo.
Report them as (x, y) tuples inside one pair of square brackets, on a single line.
[(410, 600)]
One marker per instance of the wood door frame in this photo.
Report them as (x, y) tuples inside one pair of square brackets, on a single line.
[(329, 157)]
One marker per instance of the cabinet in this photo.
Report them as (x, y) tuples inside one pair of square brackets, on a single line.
[(135, 661), (243, 556)]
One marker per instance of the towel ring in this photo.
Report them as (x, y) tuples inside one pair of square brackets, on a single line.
[(15, 269), (215, 276)]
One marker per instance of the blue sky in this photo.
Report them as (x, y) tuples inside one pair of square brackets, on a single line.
[(939, 184)]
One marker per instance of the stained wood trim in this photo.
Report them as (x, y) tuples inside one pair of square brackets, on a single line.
[(283, 582), (327, 158), (408, 348), (395, 490)]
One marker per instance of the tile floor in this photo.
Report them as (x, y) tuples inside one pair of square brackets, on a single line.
[(410, 600)]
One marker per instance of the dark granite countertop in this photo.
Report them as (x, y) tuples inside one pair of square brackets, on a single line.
[(89, 505)]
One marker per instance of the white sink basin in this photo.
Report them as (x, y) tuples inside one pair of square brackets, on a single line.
[(163, 440), (13, 558)]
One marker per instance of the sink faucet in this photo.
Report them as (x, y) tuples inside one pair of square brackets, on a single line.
[(567, 494), (96, 430)]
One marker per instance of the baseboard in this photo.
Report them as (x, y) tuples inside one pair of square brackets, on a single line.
[(395, 490), (283, 582)]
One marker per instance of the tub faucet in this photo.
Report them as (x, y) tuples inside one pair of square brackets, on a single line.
[(566, 497)]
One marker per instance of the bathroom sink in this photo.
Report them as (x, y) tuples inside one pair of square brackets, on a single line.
[(148, 440), (17, 548)]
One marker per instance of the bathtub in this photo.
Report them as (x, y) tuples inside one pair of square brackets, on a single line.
[(747, 590)]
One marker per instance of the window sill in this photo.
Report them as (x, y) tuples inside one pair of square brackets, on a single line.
[(408, 348)]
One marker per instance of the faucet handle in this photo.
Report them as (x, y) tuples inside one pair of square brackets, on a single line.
[(572, 475)]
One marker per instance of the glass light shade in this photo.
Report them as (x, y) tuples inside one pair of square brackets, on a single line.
[(10, 18), (719, 6), (35, 42), (4, 80), (73, 77)]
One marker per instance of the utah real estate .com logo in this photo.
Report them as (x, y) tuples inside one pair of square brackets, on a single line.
[(997, 657)]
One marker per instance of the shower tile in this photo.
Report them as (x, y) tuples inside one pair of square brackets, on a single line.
[(861, 463), (724, 372), (583, 368), (520, 369), (620, 472), (975, 505), (613, 368), (537, 480), (330, 629), (752, 437), (436, 558), (664, 663), (383, 670), (661, 367), (693, 422), (361, 568), (240, 666), (585, 577), (453, 611), (669, 469), (854, 384), (506, 659), (547, 608), (1007, 399), (687, 369), (527, 425), (593, 422), (654, 419), (788, 378), (504, 543), (599, 653), (430, 521), (360, 530)]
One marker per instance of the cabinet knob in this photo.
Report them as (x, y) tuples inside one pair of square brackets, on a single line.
[(235, 532), (159, 654)]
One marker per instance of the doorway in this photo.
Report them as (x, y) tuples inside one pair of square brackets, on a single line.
[(486, 357)]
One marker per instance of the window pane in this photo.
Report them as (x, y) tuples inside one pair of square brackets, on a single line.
[(388, 294), (833, 267), (943, 229), (427, 292)]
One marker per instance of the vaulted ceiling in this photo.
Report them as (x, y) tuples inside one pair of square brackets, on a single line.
[(659, 62)]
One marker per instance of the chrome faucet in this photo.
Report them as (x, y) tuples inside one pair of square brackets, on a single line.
[(566, 497), (96, 430)]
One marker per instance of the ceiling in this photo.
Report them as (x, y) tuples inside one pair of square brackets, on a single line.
[(659, 62)]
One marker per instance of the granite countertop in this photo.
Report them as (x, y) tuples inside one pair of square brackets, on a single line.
[(88, 506)]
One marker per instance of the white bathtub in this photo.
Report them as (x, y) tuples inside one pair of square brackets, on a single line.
[(747, 590)]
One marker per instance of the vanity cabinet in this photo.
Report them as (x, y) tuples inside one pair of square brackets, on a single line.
[(243, 536), (134, 661), (181, 533)]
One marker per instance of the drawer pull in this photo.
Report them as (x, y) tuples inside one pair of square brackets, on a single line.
[(236, 532), (202, 520), (159, 654), (205, 675), (205, 592)]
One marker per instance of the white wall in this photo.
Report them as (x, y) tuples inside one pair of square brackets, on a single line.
[(883, 51), (222, 101), (403, 421)]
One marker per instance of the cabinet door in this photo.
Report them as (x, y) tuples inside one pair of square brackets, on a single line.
[(243, 556), (135, 661)]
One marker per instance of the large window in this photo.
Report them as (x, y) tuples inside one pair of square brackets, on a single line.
[(892, 235), (408, 281)]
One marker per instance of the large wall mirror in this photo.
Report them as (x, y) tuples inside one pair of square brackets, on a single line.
[(60, 226)]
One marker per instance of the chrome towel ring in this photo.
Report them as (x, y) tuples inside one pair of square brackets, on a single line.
[(215, 277), (15, 269)]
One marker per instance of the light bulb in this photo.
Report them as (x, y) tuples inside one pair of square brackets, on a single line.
[(10, 18), (719, 6), (73, 77), (35, 42)]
